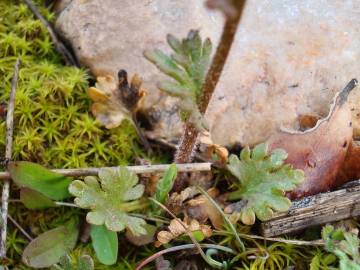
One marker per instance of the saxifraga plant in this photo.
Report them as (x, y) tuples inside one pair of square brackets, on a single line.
[(188, 66)]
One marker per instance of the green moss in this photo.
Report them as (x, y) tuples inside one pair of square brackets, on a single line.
[(52, 122)]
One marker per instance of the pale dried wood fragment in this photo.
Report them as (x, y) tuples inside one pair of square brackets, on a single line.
[(316, 210)]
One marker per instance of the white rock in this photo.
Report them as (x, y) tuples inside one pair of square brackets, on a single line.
[(288, 59)]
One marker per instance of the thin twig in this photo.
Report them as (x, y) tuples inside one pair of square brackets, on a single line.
[(21, 229), (190, 167), (8, 155), (188, 142), (59, 45)]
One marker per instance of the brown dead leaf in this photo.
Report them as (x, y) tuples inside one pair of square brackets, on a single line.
[(350, 169), (176, 201), (113, 101), (212, 151), (178, 227), (319, 151), (201, 209)]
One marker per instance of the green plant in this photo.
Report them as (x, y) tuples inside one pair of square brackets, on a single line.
[(163, 187), (261, 179), (344, 245), (48, 248), (111, 202), (187, 66)]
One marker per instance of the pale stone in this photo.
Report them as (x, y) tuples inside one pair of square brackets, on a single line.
[(289, 57)]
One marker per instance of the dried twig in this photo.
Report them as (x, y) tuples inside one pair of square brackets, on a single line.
[(59, 45), (8, 155), (187, 145), (21, 229), (189, 167)]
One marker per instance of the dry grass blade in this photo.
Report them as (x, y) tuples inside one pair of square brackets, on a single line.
[(242, 246)]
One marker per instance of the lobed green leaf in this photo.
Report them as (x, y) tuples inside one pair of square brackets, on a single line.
[(262, 180)]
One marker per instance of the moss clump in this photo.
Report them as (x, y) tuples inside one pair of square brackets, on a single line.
[(52, 122)]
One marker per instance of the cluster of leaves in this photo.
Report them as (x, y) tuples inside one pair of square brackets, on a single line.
[(187, 66), (111, 198), (52, 122)]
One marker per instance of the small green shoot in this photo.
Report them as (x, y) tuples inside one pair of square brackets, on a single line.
[(164, 187), (344, 245), (187, 66)]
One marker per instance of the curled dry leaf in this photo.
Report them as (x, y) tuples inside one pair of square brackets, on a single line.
[(176, 201), (178, 228), (319, 151), (201, 209), (113, 101), (212, 151)]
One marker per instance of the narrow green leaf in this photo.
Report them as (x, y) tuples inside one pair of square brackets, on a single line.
[(173, 89), (166, 65), (174, 43), (105, 244), (165, 185), (33, 176), (35, 200), (49, 247)]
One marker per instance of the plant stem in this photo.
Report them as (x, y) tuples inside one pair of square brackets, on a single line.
[(134, 205), (8, 155), (188, 142), (190, 167)]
